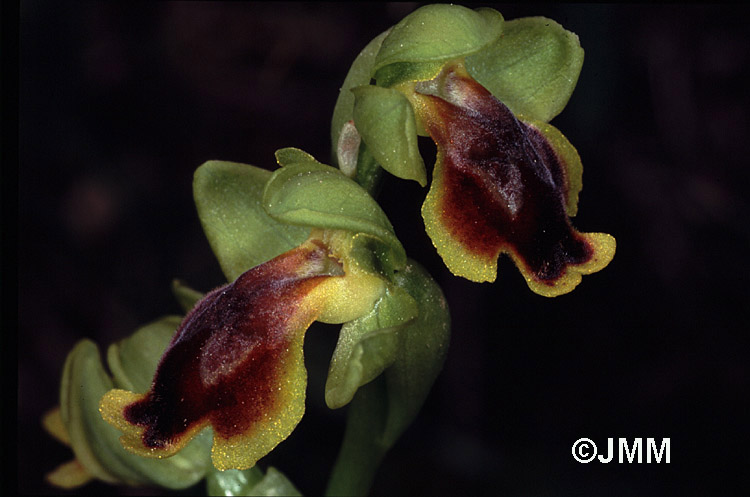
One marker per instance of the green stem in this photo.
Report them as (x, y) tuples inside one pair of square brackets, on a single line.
[(363, 447)]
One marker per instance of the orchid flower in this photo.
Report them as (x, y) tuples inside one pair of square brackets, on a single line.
[(234, 364), (505, 180), (208, 394), (236, 360)]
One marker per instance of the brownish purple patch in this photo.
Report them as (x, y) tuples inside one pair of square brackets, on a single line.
[(225, 362), (504, 187)]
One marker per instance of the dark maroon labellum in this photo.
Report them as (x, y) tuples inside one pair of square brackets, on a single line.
[(504, 185), (223, 364)]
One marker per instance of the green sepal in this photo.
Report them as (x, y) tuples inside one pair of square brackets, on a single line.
[(382, 409), (385, 120), (240, 232), (368, 345), (96, 444), (133, 360), (421, 353), (360, 73), (533, 68), (320, 196), (186, 296), (84, 381), (439, 32), (250, 482)]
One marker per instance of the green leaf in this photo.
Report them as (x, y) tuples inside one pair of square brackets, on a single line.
[(320, 196), (96, 444), (242, 235), (385, 120), (186, 296), (439, 32), (532, 68), (359, 74), (368, 345), (133, 360), (250, 482)]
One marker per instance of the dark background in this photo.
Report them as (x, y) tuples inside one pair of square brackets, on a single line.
[(121, 102)]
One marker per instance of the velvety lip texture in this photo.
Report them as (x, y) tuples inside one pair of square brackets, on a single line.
[(498, 186), (235, 363)]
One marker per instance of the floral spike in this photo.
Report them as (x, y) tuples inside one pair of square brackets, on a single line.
[(235, 363), (501, 185)]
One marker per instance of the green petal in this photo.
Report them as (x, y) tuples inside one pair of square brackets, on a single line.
[(359, 74), (241, 234), (290, 155), (96, 444), (439, 32), (385, 120), (320, 196), (532, 68), (367, 346)]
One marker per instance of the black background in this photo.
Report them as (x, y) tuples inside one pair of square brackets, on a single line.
[(121, 102)]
